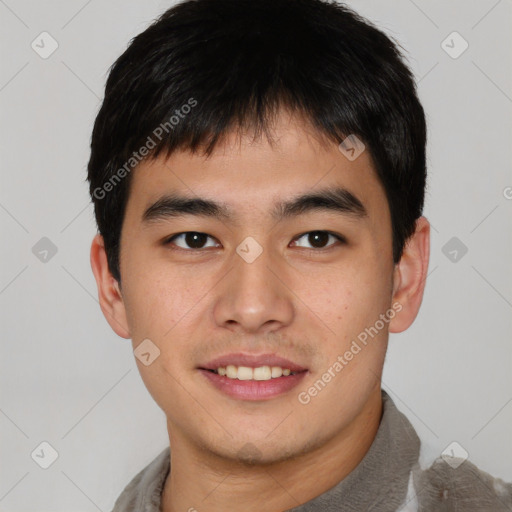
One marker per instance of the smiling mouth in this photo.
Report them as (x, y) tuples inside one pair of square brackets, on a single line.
[(249, 373), (253, 383)]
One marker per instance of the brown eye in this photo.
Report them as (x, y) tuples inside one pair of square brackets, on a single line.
[(319, 239), (191, 240)]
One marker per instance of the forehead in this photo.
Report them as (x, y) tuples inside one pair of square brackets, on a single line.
[(252, 175)]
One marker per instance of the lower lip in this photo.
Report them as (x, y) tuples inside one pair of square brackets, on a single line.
[(254, 389)]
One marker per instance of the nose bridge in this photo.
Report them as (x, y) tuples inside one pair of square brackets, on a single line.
[(252, 295), (252, 266)]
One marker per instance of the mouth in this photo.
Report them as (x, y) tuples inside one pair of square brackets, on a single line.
[(247, 373), (251, 377)]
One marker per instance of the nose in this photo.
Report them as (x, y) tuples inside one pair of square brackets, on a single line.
[(254, 296)]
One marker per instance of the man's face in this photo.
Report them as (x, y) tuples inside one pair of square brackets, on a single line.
[(306, 297)]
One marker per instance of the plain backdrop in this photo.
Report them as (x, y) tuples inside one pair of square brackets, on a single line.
[(68, 380)]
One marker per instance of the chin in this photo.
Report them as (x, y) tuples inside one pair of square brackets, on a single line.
[(259, 452)]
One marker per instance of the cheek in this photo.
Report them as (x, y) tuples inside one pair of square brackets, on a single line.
[(349, 301), (155, 300), (356, 295)]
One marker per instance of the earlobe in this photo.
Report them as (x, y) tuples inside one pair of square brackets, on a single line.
[(410, 275), (109, 293)]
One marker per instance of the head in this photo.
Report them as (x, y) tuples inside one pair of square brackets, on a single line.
[(287, 139)]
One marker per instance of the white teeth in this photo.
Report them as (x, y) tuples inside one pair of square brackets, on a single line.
[(262, 373), (277, 371), (247, 373), (231, 371), (244, 373)]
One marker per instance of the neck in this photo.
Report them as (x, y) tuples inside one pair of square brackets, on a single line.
[(205, 481)]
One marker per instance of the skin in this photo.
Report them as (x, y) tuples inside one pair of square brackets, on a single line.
[(304, 305)]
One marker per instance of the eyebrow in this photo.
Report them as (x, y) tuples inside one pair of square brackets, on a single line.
[(337, 200)]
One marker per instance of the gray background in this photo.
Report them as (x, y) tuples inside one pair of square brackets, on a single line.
[(67, 379)]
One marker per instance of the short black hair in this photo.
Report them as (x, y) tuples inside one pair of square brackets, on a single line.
[(206, 68)]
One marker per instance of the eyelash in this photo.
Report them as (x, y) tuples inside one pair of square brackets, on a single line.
[(339, 238)]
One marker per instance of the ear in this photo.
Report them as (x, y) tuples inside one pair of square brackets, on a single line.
[(109, 293), (409, 276)]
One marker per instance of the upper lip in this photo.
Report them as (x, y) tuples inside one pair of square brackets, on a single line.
[(252, 361)]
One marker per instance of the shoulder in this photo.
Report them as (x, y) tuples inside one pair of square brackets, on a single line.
[(452, 484), (143, 493)]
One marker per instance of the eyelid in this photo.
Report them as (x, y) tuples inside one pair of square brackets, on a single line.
[(340, 238), (168, 241)]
